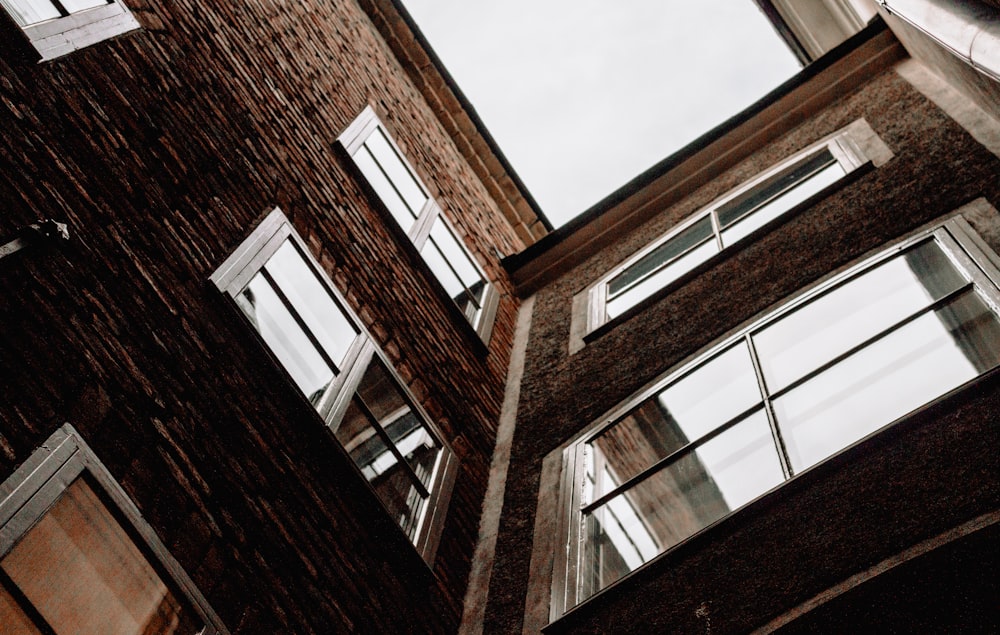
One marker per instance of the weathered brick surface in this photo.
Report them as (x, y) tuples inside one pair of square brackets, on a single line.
[(937, 167), (162, 150)]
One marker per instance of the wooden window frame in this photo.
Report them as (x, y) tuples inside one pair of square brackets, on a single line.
[(73, 31), (233, 276), (28, 494), (351, 140), (844, 150)]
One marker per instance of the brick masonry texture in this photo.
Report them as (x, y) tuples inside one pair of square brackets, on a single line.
[(162, 149), (937, 167)]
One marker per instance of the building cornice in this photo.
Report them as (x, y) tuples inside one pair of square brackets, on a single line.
[(837, 73), (458, 118)]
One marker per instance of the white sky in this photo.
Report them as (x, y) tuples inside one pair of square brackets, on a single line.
[(583, 95)]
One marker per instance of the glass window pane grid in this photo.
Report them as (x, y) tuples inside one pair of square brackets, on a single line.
[(380, 431), (467, 293), (647, 266), (777, 186), (298, 320), (669, 459), (770, 188), (725, 426)]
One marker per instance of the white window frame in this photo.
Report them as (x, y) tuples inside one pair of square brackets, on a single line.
[(72, 31), (233, 277), (352, 140), (28, 494), (965, 249), (845, 151)]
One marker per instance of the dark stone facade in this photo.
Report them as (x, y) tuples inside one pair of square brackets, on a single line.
[(803, 538), (162, 149)]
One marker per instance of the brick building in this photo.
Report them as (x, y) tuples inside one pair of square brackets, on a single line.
[(289, 348)]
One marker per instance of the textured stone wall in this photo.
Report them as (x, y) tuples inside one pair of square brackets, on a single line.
[(162, 149), (937, 167)]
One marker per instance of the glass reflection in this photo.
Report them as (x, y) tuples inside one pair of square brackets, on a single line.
[(396, 170), (691, 407), (664, 276), (285, 337), (312, 301), (907, 368), (753, 219), (27, 12), (458, 258), (73, 6), (83, 574), (646, 266), (392, 411), (681, 498), (851, 313)]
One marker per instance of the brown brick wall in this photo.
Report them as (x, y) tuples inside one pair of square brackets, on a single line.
[(937, 167), (162, 150)]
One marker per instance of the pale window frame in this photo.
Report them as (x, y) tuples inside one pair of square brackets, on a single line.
[(354, 137), (843, 147), (69, 32), (27, 495), (963, 245), (235, 274)]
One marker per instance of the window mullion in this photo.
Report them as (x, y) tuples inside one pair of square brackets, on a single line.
[(63, 12), (772, 420), (874, 338), (391, 182), (380, 431), (668, 459), (664, 265), (716, 228), (301, 323)]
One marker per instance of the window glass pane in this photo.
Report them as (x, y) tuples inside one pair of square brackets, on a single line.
[(689, 408), (393, 485), (765, 213), (397, 171), (896, 374), (851, 313), (82, 572), (661, 278), (27, 12), (313, 302), (771, 187), (285, 338), (439, 267), (386, 192), (79, 5), (660, 256), (685, 496), (379, 391), (457, 256)]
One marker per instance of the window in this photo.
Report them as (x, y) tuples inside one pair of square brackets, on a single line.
[(822, 372), (58, 27), (76, 556), (723, 224), (301, 318), (406, 199)]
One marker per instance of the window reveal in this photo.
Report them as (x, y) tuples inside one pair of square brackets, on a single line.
[(303, 321)]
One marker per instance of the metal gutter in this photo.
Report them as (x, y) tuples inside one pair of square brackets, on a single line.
[(969, 29)]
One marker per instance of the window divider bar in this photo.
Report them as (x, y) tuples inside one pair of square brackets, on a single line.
[(948, 297), (380, 431), (652, 273), (669, 458), (772, 420), (298, 320)]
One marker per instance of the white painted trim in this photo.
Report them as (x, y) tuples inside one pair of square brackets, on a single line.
[(477, 592)]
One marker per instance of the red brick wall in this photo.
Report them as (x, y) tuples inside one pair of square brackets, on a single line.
[(162, 149)]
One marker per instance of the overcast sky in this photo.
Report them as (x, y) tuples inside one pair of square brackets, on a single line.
[(583, 95)]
